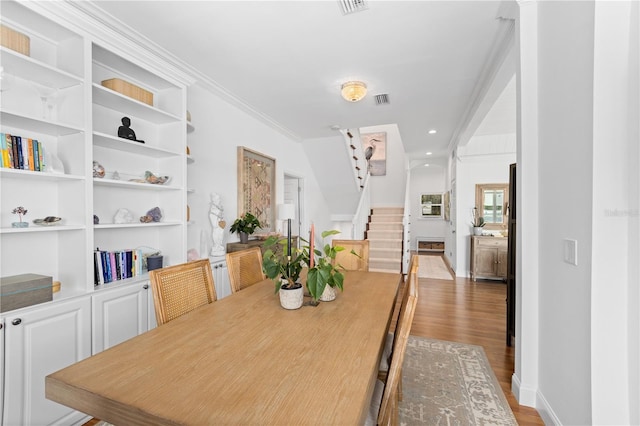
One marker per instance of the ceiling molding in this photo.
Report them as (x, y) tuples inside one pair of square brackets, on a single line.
[(124, 38), (494, 67)]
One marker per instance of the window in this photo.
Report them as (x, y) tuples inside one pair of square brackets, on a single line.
[(431, 205)]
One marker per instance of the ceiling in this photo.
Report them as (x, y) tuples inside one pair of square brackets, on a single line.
[(285, 61)]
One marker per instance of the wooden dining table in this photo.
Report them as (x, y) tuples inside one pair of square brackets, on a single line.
[(243, 360)]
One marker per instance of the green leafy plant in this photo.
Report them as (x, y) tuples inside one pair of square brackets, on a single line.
[(324, 272), (278, 266), (247, 223)]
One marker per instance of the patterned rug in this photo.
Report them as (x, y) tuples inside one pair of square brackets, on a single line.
[(431, 266), (447, 383)]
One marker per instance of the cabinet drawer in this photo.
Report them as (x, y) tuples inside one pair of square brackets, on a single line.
[(491, 242)]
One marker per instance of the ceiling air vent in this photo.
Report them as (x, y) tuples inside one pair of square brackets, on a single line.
[(352, 6), (382, 99)]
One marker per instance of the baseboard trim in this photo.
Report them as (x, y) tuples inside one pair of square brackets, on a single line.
[(534, 398), (547, 414)]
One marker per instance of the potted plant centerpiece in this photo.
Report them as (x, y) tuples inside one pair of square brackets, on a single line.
[(283, 265), (245, 226), (323, 276), (477, 222)]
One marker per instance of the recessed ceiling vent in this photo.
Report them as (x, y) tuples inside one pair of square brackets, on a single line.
[(382, 99), (352, 6)]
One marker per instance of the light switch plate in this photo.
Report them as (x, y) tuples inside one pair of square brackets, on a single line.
[(571, 251)]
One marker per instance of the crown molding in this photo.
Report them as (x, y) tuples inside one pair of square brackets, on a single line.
[(494, 69), (118, 37)]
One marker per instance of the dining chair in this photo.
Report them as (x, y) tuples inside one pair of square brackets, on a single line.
[(347, 260), (245, 268), (384, 404), (181, 288), (409, 287)]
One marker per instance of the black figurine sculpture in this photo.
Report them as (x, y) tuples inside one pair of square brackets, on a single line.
[(127, 132)]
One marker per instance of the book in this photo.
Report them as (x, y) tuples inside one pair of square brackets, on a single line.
[(3, 150), (36, 162), (25, 153), (30, 154), (17, 143), (41, 156), (112, 263), (14, 145), (9, 142)]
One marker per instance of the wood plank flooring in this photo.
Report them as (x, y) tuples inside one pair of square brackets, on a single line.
[(475, 313)]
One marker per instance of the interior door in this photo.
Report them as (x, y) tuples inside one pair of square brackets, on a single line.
[(511, 257)]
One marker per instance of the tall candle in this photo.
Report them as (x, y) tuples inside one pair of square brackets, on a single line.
[(288, 237), (311, 252)]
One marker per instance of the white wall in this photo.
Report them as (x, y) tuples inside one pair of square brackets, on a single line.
[(220, 129), (425, 180), (580, 115), (389, 190), (565, 178)]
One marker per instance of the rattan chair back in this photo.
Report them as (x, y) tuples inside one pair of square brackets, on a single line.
[(181, 288), (347, 260), (388, 413), (245, 268)]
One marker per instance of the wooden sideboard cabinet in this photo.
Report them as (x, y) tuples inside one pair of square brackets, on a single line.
[(231, 247), (488, 257)]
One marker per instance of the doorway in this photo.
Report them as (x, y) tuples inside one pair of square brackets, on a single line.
[(294, 194)]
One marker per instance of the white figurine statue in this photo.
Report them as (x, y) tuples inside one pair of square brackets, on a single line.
[(216, 216)]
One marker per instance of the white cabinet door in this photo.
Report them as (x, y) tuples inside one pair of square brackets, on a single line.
[(119, 314), (1, 367), (221, 278), (39, 342)]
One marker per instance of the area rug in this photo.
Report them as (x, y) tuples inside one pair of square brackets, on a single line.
[(433, 267), (447, 383)]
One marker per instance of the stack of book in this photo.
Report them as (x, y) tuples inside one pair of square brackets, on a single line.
[(112, 266), (21, 153)]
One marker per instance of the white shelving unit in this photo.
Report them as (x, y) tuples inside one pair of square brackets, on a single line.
[(55, 95)]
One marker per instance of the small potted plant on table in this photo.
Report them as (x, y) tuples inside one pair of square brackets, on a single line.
[(245, 226), (477, 222), (283, 265), (324, 276)]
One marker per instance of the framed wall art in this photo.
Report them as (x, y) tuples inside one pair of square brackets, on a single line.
[(374, 146), (257, 187)]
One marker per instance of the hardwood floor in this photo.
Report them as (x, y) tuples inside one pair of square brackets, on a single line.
[(475, 313)]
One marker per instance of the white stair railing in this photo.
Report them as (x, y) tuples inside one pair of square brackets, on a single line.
[(406, 223), (361, 216)]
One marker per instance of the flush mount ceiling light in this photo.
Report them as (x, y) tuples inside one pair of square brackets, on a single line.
[(353, 91)]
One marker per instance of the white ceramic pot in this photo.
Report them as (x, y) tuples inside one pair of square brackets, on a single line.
[(328, 294), (291, 298), (477, 230)]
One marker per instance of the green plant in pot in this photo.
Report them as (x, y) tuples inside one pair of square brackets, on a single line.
[(324, 273), (245, 226), (284, 265)]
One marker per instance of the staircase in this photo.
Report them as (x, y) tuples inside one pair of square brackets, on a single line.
[(384, 233)]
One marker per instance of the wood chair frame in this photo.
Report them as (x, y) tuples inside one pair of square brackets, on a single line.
[(245, 268), (181, 288), (348, 260)]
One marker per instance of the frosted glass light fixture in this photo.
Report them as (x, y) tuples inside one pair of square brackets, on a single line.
[(353, 91)]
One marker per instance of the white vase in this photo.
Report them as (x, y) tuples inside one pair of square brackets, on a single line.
[(291, 298), (477, 230), (328, 294)]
